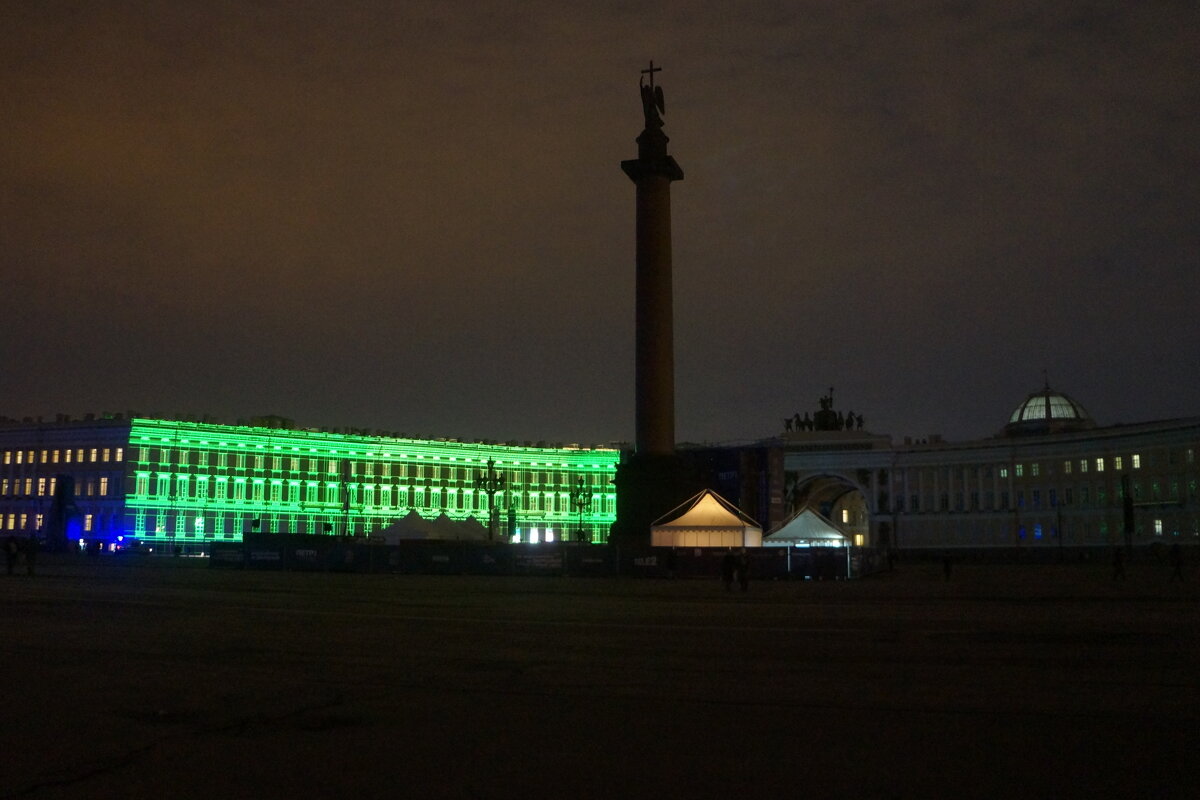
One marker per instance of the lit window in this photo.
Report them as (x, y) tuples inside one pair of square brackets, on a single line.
[(1035, 469), (93, 454), (20, 456), (1158, 528), (1020, 470), (1137, 460), (24, 521), (8, 456), (41, 487), (38, 521), (1067, 467), (54, 457), (845, 515), (87, 522), (104, 455), (1099, 465), (1004, 472), (1118, 463), (1083, 465), (44, 459), (103, 486)]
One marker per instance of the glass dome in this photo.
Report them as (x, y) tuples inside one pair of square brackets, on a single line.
[(1048, 411)]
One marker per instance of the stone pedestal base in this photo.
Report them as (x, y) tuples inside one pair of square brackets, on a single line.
[(647, 488)]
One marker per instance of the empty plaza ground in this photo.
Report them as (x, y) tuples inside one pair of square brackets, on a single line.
[(168, 679)]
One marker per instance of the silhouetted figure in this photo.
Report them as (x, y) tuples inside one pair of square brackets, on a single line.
[(808, 423), (1176, 559), (787, 424), (849, 420), (859, 422), (11, 550), (947, 565), (653, 104), (796, 423), (743, 569), (1118, 564), (728, 565), (31, 548)]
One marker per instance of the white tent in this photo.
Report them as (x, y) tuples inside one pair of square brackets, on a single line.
[(442, 528), (808, 528), (410, 526), (706, 520), (458, 530)]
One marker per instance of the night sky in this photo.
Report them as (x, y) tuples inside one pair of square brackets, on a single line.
[(412, 216)]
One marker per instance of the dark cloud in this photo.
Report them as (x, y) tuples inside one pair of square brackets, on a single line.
[(413, 218)]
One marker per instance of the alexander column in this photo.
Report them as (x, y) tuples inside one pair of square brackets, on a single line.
[(650, 482)]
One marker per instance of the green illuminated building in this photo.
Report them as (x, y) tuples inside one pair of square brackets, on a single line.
[(190, 483)]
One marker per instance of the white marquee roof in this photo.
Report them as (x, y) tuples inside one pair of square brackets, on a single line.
[(807, 526), (706, 510)]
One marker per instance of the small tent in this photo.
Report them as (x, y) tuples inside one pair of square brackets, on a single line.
[(445, 528), (706, 520), (410, 526), (806, 529), (473, 530)]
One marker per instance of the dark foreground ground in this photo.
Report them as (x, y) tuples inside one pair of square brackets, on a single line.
[(166, 680)]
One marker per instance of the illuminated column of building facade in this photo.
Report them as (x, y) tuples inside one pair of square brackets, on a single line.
[(192, 482)]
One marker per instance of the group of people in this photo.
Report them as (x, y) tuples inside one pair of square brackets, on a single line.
[(15, 546), (736, 567), (1174, 559)]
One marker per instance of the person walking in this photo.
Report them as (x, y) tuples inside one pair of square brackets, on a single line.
[(1118, 564), (11, 550), (31, 548), (728, 566), (1176, 558)]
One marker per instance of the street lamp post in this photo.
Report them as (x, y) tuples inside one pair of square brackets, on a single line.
[(581, 501), (490, 482)]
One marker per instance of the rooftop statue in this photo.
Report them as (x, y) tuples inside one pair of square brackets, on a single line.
[(653, 104)]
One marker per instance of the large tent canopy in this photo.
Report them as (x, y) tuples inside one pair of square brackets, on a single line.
[(806, 528), (414, 526), (706, 520)]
